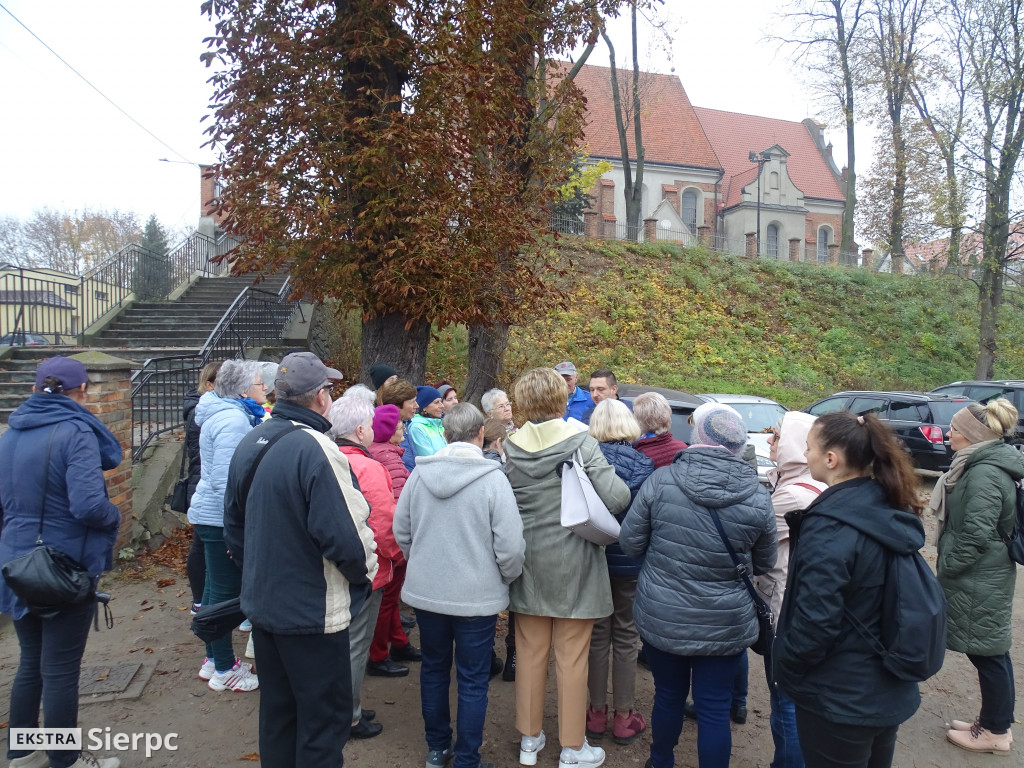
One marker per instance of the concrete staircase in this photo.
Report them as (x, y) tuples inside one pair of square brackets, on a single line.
[(149, 329)]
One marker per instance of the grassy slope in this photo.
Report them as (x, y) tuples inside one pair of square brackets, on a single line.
[(706, 322)]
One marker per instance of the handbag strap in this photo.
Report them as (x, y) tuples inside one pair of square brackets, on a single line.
[(46, 483), (741, 567), (809, 487), (184, 456)]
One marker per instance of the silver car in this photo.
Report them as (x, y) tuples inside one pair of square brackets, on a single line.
[(759, 414)]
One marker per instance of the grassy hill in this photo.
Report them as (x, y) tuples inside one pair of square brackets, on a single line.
[(702, 321)]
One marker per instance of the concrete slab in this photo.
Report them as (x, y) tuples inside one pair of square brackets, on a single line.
[(118, 683)]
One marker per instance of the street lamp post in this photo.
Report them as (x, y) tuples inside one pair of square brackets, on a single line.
[(760, 158)]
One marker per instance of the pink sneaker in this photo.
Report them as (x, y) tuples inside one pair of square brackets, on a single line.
[(597, 722), (625, 729)]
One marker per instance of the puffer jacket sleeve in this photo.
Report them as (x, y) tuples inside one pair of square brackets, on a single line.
[(613, 492), (635, 535), (88, 500), (815, 622), (506, 530), (984, 497)]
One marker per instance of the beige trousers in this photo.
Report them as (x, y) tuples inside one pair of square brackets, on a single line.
[(536, 636)]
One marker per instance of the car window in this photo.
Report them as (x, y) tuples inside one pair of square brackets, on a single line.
[(942, 412), (759, 416), (863, 405), (832, 405), (952, 389), (985, 393), (681, 429), (904, 411)]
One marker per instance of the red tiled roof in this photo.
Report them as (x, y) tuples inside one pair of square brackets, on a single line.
[(733, 136), (671, 131)]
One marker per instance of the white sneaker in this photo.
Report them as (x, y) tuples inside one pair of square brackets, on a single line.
[(37, 759), (529, 746), (250, 649), (584, 757), (206, 671), (239, 678), (89, 760)]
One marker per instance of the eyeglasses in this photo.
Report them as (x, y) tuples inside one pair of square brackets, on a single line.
[(502, 405)]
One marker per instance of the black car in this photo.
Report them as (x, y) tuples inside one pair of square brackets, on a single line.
[(682, 404), (920, 420), (983, 391)]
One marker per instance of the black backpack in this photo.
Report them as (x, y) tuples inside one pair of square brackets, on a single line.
[(1015, 540), (913, 641)]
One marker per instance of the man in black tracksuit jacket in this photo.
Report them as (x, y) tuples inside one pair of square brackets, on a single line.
[(307, 556)]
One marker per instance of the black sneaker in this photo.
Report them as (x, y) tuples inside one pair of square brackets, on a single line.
[(497, 665), (438, 758), (738, 714), (508, 674), (407, 652), (386, 668), (369, 714), (364, 729)]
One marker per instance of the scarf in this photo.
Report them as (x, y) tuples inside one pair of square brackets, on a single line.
[(944, 485)]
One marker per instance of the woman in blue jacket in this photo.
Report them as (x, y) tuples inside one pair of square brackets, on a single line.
[(54, 440), (616, 429), (224, 417)]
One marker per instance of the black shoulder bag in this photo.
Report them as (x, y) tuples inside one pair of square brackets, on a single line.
[(47, 580), (765, 634), (179, 498)]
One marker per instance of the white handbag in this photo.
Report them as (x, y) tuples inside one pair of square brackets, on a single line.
[(583, 511)]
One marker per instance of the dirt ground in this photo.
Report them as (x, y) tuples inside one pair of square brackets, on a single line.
[(218, 729)]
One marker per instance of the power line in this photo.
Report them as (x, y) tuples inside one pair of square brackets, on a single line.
[(101, 93)]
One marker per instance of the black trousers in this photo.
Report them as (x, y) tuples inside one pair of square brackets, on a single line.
[(995, 677), (833, 745), (305, 699)]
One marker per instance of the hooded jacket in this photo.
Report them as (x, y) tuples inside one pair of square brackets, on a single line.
[(632, 467), (793, 492), (564, 576), (390, 455), (838, 551), (458, 524), (80, 520), (222, 422), (973, 566), (375, 485), (661, 449), (188, 411), (300, 535), (689, 600), (426, 435), (579, 403)]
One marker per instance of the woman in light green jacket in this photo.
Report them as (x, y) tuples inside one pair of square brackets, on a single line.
[(565, 585), (975, 501)]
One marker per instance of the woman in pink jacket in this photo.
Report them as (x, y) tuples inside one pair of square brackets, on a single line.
[(794, 490)]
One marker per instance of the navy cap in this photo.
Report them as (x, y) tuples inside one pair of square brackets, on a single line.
[(70, 373)]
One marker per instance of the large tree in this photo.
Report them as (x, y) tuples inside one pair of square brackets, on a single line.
[(73, 241), (400, 154)]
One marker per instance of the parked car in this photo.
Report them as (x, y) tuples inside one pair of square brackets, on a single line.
[(983, 391), (759, 414), (22, 339), (920, 420), (682, 404)]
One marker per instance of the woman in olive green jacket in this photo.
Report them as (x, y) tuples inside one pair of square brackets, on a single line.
[(975, 501), (565, 585)]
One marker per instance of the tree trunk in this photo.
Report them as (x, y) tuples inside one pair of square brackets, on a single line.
[(385, 339), (486, 359), (989, 296), (899, 193)]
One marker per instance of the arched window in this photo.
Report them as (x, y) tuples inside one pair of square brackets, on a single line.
[(773, 180), (823, 242), (772, 241), (689, 212)]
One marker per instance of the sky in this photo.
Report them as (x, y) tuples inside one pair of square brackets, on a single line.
[(64, 146)]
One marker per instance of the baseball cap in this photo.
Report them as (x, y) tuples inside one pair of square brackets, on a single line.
[(71, 373), (302, 372), (566, 369)]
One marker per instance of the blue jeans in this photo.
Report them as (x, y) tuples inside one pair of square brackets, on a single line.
[(48, 672), (783, 725), (223, 582), (739, 682), (713, 678), (472, 638)]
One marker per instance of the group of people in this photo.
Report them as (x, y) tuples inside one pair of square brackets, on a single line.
[(318, 520)]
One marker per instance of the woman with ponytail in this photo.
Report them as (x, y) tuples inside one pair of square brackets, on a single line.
[(975, 501), (848, 706)]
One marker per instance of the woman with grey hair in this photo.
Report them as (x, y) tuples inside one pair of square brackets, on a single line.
[(654, 415), (496, 405), (224, 416), (352, 429)]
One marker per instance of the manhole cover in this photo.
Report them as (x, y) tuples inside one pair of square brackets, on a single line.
[(107, 678)]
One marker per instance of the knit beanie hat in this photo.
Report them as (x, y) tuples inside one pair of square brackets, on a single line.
[(381, 372), (385, 422), (425, 396), (718, 424)]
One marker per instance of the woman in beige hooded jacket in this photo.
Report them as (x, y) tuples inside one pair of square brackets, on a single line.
[(794, 490)]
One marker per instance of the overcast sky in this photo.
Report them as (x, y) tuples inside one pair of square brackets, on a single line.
[(65, 146)]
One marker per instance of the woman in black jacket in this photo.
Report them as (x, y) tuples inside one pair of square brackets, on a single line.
[(848, 706)]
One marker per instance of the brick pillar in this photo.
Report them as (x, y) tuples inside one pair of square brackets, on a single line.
[(590, 226), (704, 235), (110, 398), (794, 248), (608, 226), (833, 254), (606, 197), (867, 258), (650, 230), (751, 248)]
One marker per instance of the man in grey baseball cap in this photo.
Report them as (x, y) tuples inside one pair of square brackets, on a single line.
[(579, 399), (296, 525)]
